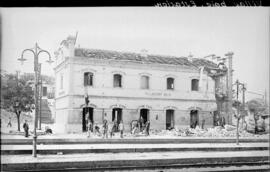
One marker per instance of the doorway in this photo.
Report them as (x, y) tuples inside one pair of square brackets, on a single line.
[(87, 114), (194, 118), (144, 114), (169, 119), (116, 117)]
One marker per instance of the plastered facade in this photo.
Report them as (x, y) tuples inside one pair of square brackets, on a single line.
[(70, 94)]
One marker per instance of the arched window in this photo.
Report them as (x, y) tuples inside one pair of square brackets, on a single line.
[(144, 82), (88, 79), (194, 85), (170, 83), (117, 80)]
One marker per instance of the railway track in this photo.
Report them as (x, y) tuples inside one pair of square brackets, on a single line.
[(240, 166), (147, 157)]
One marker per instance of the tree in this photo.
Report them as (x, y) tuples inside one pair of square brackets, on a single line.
[(256, 106), (16, 95)]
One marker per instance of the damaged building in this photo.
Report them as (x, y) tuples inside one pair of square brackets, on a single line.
[(165, 90)]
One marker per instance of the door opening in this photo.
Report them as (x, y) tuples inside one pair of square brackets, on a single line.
[(169, 119), (116, 117), (194, 118), (144, 115), (87, 114)]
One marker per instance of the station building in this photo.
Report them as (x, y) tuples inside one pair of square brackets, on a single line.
[(168, 91)]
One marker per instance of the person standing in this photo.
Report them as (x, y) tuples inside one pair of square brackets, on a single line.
[(147, 128), (9, 122), (105, 129), (203, 122), (115, 126), (110, 129), (141, 121), (121, 128), (26, 128), (89, 127), (256, 118)]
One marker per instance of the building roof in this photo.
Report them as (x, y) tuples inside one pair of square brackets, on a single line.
[(137, 57)]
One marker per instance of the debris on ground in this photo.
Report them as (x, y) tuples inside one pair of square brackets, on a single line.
[(218, 131)]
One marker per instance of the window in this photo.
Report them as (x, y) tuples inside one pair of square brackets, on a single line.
[(61, 81), (194, 85), (117, 80), (170, 83), (44, 91), (88, 79), (145, 82)]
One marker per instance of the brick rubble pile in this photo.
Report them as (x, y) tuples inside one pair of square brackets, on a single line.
[(217, 132)]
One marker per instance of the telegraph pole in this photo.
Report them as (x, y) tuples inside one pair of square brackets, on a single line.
[(238, 104), (238, 116), (243, 95)]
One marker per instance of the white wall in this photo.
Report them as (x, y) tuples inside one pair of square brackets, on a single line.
[(103, 96), (103, 82)]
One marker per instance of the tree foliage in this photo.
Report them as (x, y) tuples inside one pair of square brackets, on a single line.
[(16, 95), (257, 106), (31, 76)]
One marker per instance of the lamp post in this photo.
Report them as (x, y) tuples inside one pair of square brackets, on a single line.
[(36, 51), (40, 95), (40, 105)]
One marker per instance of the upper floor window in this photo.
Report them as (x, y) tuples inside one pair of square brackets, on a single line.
[(145, 82), (61, 81), (194, 85), (88, 79), (44, 91), (170, 83), (117, 80)]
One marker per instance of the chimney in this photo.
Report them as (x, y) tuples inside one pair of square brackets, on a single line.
[(144, 53)]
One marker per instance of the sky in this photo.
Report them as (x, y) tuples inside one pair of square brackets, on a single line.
[(164, 31)]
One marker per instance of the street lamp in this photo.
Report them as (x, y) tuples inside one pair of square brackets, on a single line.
[(36, 51), (40, 95)]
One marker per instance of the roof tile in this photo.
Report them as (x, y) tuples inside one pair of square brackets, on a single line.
[(136, 57)]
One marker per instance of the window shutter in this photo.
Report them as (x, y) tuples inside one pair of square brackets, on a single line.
[(91, 79), (144, 82), (117, 80), (194, 84), (120, 80), (170, 83), (85, 79)]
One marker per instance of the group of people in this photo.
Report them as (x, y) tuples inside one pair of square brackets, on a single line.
[(140, 126), (107, 128), (220, 121)]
